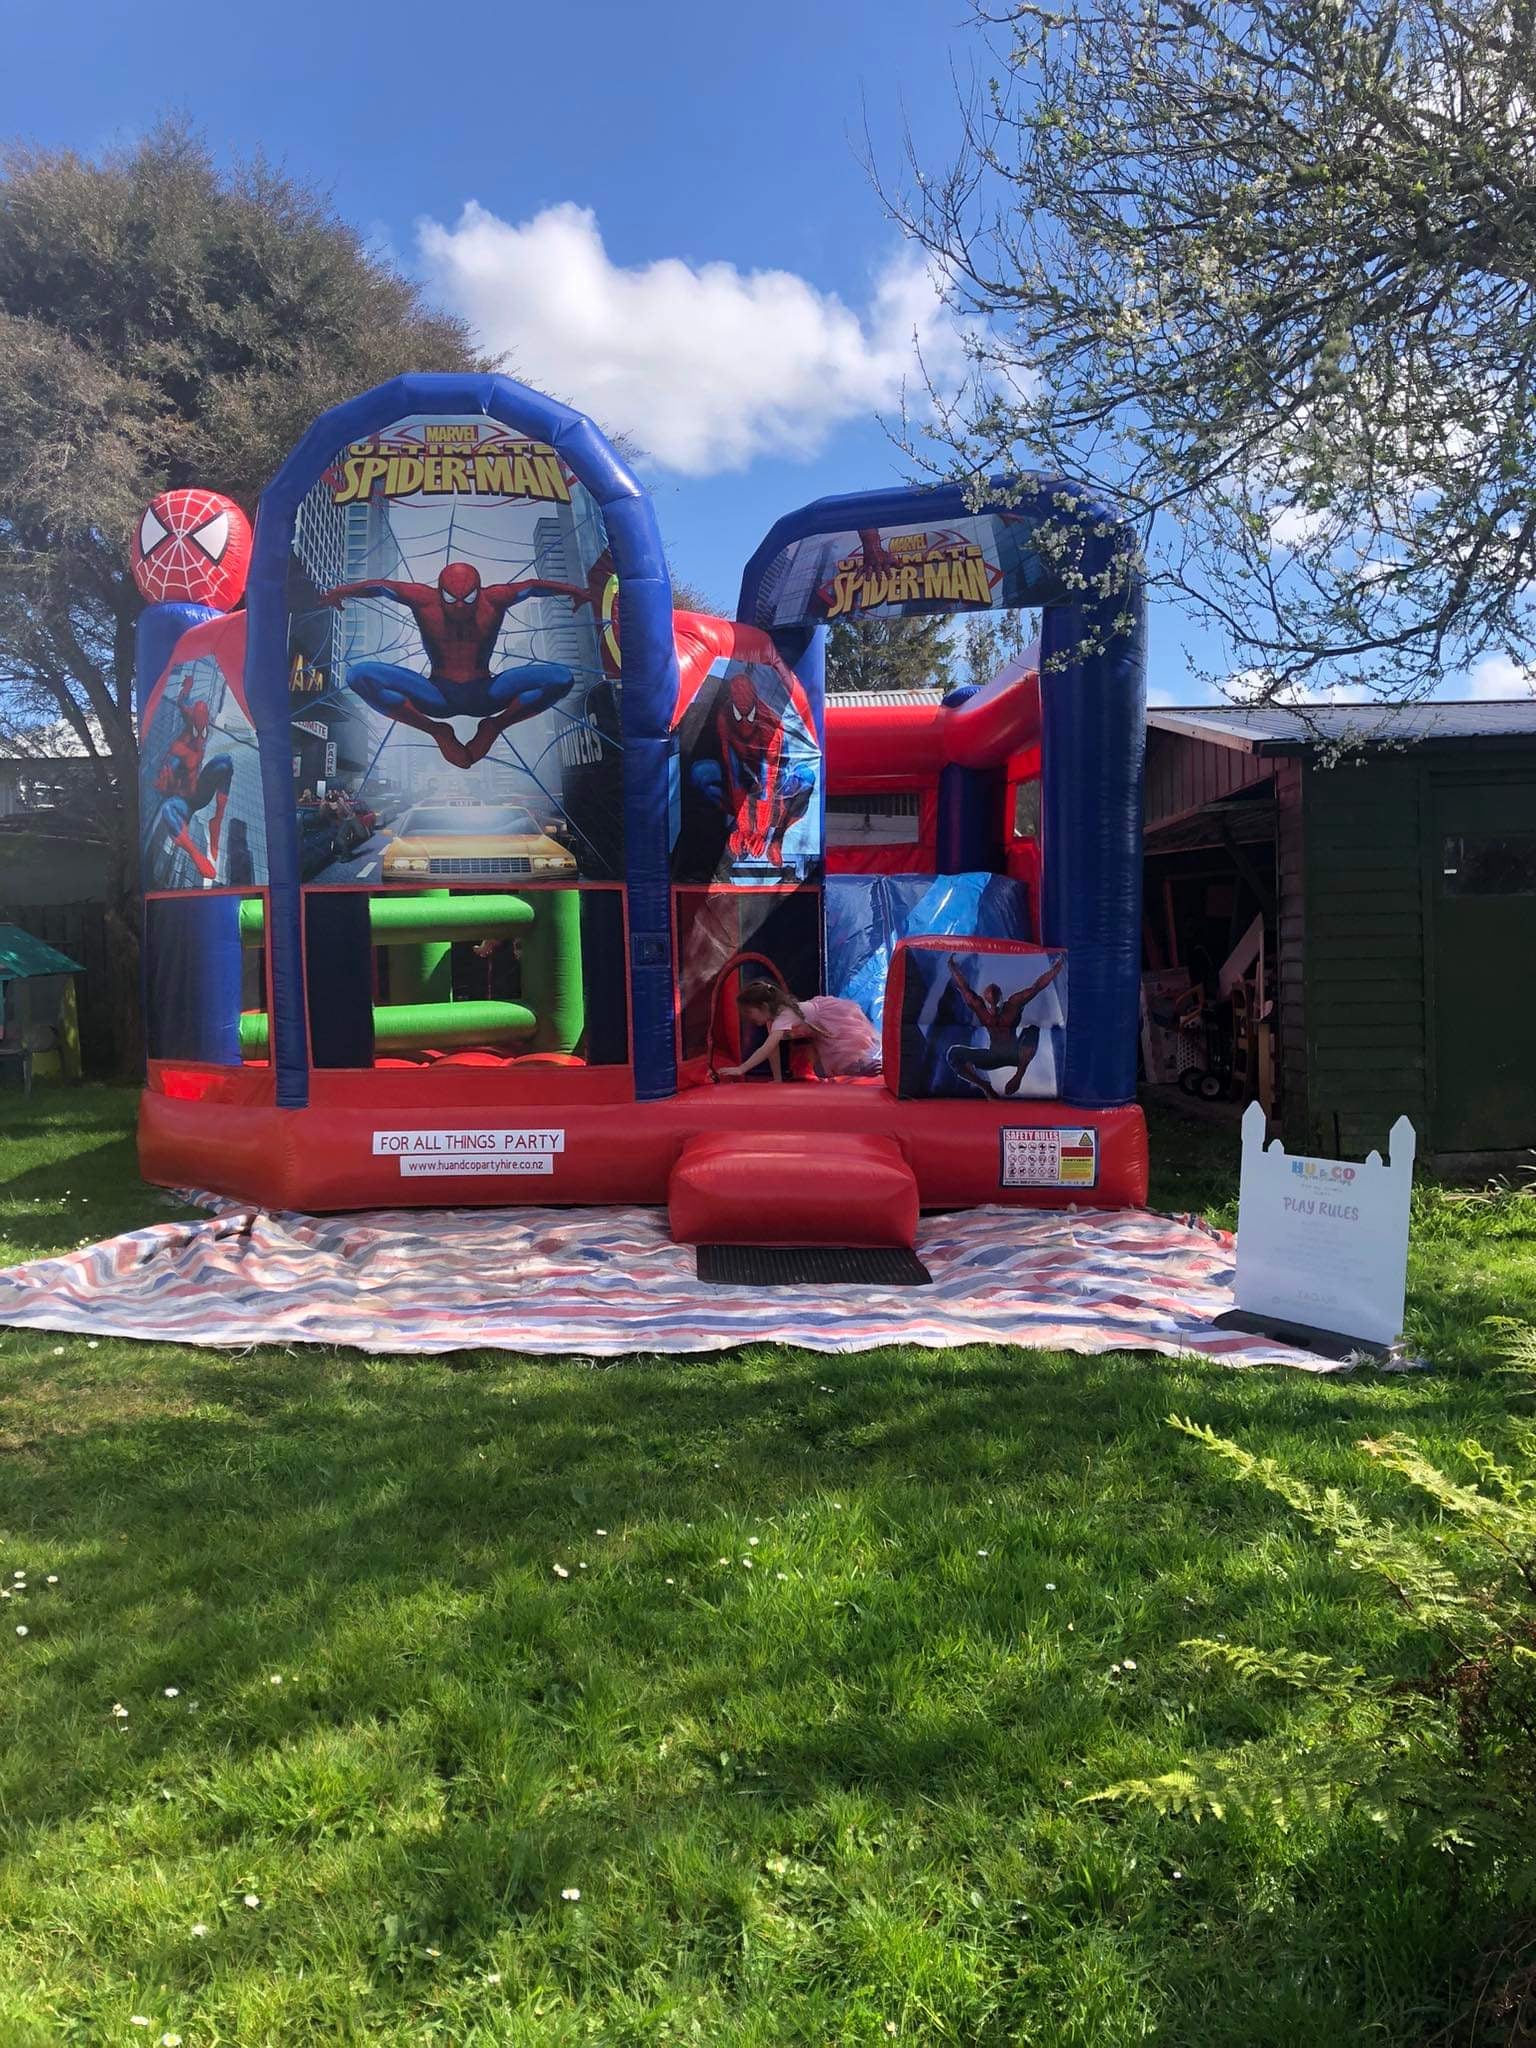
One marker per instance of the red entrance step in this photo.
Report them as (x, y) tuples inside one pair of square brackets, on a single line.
[(792, 1188)]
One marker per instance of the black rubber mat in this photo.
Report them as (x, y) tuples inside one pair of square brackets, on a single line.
[(1326, 1343), (821, 1265)]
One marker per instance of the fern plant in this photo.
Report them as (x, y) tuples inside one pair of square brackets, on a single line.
[(1449, 1757)]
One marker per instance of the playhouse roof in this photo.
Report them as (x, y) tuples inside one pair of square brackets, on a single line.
[(22, 956)]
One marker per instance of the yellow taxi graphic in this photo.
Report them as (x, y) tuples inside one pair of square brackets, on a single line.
[(475, 841)]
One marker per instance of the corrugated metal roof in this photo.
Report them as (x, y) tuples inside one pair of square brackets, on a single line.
[(847, 700), (1275, 728)]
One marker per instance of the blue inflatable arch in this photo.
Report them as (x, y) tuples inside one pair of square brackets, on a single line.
[(647, 693), (1089, 588)]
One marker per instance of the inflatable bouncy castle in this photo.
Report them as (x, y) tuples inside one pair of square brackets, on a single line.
[(459, 843)]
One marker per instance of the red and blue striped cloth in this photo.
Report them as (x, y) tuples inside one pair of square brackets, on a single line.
[(605, 1282)]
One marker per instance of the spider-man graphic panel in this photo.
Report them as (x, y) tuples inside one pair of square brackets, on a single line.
[(459, 619), (751, 765), (200, 778), (448, 690), (984, 1024)]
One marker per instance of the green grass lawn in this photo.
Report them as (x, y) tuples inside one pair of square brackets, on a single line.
[(806, 1721)]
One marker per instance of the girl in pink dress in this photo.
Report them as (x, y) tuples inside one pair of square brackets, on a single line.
[(841, 1037)]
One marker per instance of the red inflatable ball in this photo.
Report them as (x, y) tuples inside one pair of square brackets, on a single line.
[(192, 547)]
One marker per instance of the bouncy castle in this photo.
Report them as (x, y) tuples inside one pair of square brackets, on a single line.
[(459, 843)]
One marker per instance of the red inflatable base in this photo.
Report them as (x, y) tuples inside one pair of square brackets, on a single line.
[(793, 1188), (392, 1155)]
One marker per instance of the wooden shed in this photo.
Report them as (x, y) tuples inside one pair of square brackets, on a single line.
[(1391, 854)]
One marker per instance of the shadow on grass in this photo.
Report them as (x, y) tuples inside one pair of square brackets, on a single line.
[(383, 1536), (95, 1193), (907, 1718), (69, 1171), (295, 1481)]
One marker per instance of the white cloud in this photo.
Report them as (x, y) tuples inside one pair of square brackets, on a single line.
[(1291, 526), (1494, 677), (705, 366), (1497, 676), (1165, 696)]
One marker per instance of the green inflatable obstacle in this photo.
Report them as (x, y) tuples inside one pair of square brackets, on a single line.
[(421, 931), (414, 920), (423, 973), (551, 963), (408, 1027)]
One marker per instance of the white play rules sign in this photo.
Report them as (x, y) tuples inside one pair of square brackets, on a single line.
[(1323, 1243)]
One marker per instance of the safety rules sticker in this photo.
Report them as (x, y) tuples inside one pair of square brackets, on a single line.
[(422, 1152), (1050, 1157)]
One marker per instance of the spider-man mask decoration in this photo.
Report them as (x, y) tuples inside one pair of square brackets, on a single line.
[(458, 583), (192, 547)]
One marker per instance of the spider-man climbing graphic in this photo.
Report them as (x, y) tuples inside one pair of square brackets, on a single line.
[(754, 780), (189, 781), (458, 619), (1010, 1041)]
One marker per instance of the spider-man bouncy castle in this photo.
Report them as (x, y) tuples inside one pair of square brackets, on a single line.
[(459, 842)]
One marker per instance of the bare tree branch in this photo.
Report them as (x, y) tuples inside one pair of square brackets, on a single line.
[(1265, 274)]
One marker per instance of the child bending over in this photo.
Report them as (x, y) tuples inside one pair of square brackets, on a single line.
[(841, 1037)]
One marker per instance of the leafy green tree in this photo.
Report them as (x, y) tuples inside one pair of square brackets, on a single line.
[(990, 640), (161, 323), (687, 597), (1266, 272), (889, 654)]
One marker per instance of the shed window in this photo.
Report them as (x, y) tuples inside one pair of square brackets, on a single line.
[(1489, 864)]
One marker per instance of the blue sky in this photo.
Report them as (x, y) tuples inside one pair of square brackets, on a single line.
[(692, 130), (660, 212)]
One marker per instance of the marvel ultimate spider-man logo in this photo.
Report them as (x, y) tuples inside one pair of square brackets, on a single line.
[(441, 458), (924, 568)]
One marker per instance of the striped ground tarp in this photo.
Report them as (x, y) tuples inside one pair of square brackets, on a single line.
[(605, 1282)]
